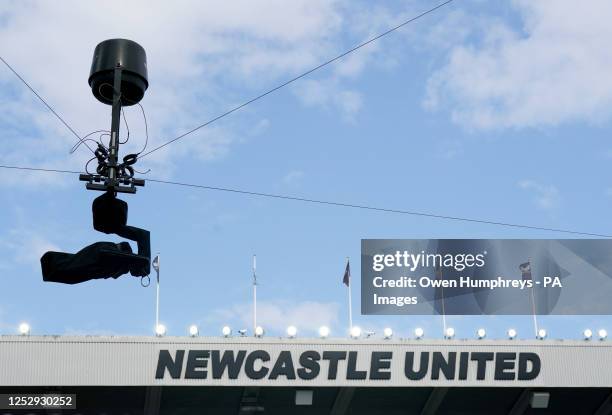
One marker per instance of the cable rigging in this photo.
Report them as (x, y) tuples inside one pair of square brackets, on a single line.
[(298, 77), (431, 215)]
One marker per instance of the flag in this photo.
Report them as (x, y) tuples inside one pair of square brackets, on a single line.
[(346, 280), (526, 270)]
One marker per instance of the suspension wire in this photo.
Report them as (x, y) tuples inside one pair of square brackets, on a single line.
[(127, 127), (84, 139), (87, 164), (146, 143), (121, 97), (292, 80), (44, 102), (144, 116), (41, 169), (341, 204)]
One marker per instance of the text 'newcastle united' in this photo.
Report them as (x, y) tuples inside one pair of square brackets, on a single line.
[(259, 364)]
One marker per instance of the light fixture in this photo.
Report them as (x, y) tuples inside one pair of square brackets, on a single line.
[(602, 334), (481, 333), (539, 400), (449, 333), (160, 330), (291, 332), (303, 397), (227, 331), (24, 329), (511, 334), (419, 333), (587, 333), (193, 330), (242, 332), (355, 332), (541, 334), (387, 333), (324, 332), (259, 331)]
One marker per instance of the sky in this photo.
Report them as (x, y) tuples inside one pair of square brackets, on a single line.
[(491, 110)]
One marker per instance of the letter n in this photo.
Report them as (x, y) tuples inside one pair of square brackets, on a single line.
[(174, 367)]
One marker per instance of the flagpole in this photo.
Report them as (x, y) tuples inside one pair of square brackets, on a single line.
[(350, 303), (254, 293), (157, 304), (156, 262), (443, 314), (533, 307), (535, 320), (443, 305)]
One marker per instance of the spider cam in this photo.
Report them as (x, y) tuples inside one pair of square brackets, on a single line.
[(118, 78)]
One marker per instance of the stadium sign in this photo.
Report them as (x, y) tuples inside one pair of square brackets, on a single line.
[(259, 364), (244, 361)]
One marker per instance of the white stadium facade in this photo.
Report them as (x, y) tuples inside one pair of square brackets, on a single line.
[(249, 375)]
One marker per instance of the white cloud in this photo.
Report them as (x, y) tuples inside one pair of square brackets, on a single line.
[(546, 197), (552, 70), (203, 58), (275, 316), (260, 127), (453, 28), (449, 149), (329, 95), (27, 246), (293, 177)]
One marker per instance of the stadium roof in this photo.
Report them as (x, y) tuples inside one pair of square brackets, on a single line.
[(184, 375)]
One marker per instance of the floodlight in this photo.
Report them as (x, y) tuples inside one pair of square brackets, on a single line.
[(449, 333), (602, 334), (542, 334), (419, 333), (355, 332), (481, 333), (324, 332), (511, 334), (259, 331), (387, 333), (291, 332), (193, 330), (24, 329), (160, 330), (587, 333), (227, 331)]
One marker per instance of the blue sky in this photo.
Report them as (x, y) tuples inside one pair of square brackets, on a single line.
[(492, 111)]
